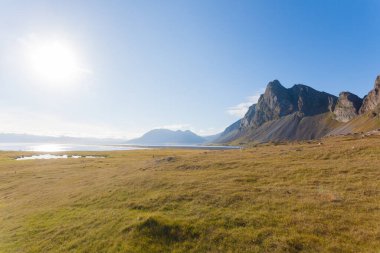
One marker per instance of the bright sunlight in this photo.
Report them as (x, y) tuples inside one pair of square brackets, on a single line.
[(54, 62)]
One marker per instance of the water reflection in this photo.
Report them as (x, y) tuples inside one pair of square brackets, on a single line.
[(47, 148), (50, 147), (49, 156)]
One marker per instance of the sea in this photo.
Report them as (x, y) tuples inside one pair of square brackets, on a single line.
[(50, 147)]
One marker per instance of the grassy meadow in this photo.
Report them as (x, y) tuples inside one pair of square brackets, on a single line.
[(320, 196)]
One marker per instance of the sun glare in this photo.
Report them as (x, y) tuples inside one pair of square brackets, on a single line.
[(47, 148), (54, 62)]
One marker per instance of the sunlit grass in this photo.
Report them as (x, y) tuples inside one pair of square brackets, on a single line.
[(305, 197)]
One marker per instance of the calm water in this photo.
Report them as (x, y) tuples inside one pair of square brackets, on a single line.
[(43, 147), (47, 149), (49, 156)]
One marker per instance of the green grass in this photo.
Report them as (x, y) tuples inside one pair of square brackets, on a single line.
[(298, 197)]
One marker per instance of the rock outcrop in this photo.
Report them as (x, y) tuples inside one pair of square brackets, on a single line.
[(348, 107), (372, 100), (248, 118)]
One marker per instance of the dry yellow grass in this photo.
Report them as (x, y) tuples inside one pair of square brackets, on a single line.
[(299, 197)]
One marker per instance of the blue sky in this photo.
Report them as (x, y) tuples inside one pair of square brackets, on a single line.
[(178, 64)]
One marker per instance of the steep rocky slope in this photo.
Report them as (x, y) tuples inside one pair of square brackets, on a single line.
[(283, 114), (277, 102), (348, 107), (372, 100), (291, 127), (230, 132), (301, 112)]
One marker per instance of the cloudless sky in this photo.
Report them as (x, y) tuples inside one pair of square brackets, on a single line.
[(179, 64)]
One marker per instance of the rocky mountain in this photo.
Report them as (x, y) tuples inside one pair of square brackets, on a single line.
[(348, 107), (168, 137), (230, 132), (372, 100), (277, 102), (301, 113)]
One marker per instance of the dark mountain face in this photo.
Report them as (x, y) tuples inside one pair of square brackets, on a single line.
[(299, 113), (273, 104), (277, 102), (168, 137)]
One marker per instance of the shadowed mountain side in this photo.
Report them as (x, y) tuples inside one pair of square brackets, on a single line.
[(293, 127), (297, 113), (230, 133), (290, 127), (278, 101)]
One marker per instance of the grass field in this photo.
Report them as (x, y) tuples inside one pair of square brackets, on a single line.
[(299, 197)]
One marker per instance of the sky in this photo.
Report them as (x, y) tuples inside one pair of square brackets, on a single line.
[(120, 68)]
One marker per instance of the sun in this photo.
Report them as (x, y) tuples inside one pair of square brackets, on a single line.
[(54, 62)]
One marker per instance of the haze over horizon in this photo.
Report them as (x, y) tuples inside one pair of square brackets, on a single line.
[(122, 68)]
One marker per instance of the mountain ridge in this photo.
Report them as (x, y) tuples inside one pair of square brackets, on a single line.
[(302, 113)]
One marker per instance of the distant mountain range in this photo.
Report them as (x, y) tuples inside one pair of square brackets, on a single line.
[(169, 137), (28, 138), (302, 113), (154, 137)]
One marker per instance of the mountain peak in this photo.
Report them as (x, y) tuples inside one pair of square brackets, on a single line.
[(168, 137), (279, 102), (372, 100), (377, 82), (274, 84), (303, 87), (274, 87)]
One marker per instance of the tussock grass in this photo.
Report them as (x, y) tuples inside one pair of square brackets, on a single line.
[(320, 196)]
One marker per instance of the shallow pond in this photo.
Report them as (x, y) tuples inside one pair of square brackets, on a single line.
[(49, 156)]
